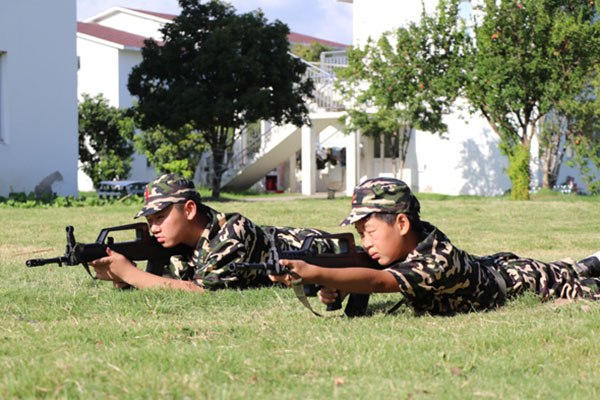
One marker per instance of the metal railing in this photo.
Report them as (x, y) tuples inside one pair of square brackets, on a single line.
[(332, 60), (251, 150), (326, 95)]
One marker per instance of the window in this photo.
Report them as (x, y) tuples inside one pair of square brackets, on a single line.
[(377, 147)]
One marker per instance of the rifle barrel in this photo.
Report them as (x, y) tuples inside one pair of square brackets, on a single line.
[(36, 262)]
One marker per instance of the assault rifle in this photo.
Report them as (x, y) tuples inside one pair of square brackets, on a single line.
[(144, 247), (348, 256)]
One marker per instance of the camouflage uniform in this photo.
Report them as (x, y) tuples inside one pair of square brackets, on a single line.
[(438, 277), (287, 238), (226, 238), (231, 238)]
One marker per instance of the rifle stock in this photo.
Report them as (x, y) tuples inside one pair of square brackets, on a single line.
[(144, 247)]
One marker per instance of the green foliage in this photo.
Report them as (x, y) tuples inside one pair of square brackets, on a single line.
[(105, 140), (312, 52), (217, 71), (23, 200), (526, 57), (179, 167), (406, 77), (171, 151)]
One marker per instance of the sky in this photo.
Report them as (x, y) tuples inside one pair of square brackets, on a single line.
[(325, 19)]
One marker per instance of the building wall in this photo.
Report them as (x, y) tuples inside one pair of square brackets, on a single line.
[(98, 70), (127, 60), (140, 170), (38, 97), (466, 160)]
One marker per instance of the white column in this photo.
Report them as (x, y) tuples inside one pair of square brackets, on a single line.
[(243, 149), (292, 173), (264, 127), (309, 161), (352, 161)]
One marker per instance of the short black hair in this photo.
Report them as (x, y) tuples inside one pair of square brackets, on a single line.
[(202, 208), (390, 218)]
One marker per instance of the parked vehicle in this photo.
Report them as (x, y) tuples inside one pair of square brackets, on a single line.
[(109, 189)]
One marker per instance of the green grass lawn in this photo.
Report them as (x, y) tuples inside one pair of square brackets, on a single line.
[(63, 335)]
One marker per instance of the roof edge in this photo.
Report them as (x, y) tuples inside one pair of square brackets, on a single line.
[(98, 40), (96, 19)]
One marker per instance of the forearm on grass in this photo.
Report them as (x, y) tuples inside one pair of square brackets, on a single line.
[(144, 280)]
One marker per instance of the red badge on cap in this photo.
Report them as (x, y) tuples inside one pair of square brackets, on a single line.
[(147, 194)]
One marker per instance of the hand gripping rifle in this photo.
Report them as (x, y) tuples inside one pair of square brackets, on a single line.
[(348, 256), (144, 247)]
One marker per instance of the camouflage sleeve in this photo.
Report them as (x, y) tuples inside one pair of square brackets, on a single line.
[(237, 240), (287, 238), (442, 270), (179, 267)]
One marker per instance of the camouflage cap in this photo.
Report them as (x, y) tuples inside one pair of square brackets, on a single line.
[(381, 195), (166, 190)]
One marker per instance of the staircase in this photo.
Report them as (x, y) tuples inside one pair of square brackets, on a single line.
[(279, 143)]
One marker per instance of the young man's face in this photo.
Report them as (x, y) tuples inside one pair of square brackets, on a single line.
[(385, 243), (168, 225)]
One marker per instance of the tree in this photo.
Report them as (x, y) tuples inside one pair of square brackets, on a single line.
[(312, 52), (401, 82), (172, 151), (582, 132), (525, 57), (573, 126), (217, 72), (105, 139)]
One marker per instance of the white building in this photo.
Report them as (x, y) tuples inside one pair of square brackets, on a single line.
[(38, 97)]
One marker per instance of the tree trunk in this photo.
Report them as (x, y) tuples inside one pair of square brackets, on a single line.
[(402, 162), (218, 169), (405, 135), (550, 169), (220, 143), (551, 153)]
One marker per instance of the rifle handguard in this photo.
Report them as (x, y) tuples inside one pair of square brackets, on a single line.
[(144, 247)]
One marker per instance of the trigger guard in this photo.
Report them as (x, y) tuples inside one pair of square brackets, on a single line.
[(87, 268)]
